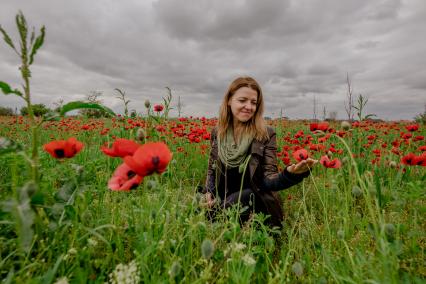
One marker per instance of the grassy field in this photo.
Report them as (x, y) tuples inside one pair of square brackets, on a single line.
[(361, 223)]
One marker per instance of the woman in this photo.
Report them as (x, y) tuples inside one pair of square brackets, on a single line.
[(243, 150)]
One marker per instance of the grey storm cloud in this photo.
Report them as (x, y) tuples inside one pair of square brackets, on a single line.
[(298, 51)]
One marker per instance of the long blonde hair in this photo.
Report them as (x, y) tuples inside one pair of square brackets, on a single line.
[(256, 126)]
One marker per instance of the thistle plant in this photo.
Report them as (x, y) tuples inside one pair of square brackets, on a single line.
[(362, 102), (167, 100), (125, 101), (29, 48)]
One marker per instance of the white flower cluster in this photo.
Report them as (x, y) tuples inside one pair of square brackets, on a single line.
[(62, 280), (236, 251), (235, 248), (125, 274), (92, 242), (248, 260)]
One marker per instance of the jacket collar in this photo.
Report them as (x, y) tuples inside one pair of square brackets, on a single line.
[(257, 148)]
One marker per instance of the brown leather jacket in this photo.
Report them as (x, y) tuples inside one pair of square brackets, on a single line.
[(263, 172)]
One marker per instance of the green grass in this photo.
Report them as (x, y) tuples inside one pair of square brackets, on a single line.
[(81, 230)]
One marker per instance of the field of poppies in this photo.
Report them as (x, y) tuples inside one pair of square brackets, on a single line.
[(116, 200)]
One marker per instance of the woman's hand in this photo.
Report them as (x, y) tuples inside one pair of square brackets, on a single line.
[(208, 201), (302, 166)]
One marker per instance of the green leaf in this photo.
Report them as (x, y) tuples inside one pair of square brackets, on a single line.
[(370, 115), (79, 105), (7, 38), (21, 23), (38, 43), (8, 90), (9, 146), (23, 216), (32, 36), (51, 116), (49, 276)]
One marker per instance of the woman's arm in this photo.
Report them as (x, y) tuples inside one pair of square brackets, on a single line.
[(274, 180)]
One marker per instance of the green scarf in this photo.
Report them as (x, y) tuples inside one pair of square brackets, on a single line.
[(231, 154)]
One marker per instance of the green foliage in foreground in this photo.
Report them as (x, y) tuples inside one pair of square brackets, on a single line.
[(359, 224)]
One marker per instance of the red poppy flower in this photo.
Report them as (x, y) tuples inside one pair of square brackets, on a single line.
[(124, 179), (420, 160), (121, 148), (300, 155), (158, 108), (149, 158), (412, 127), (316, 147), (335, 163), (63, 148), (422, 148), (323, 126), (408, 159), (324, 138), (412, 160)]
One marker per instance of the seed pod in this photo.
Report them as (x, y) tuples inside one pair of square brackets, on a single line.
[(341, 234), (392, 164), (175, 269), (389, 229), (140, 134), (297, 269), (345, 125), (356, 191), (147, 104), (207, 249), (151, 184)]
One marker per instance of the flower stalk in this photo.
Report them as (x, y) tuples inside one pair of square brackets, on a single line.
[(26, 54)]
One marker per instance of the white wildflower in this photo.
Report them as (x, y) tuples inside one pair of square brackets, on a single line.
[(92, 242), (62, 280), (234, 248), (72, 251), (238, 246), (248, 260), (125, 274)]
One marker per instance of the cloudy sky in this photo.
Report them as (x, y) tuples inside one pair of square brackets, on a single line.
[(298, 50)]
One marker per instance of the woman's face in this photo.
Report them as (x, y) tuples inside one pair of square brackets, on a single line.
[(243, 104)]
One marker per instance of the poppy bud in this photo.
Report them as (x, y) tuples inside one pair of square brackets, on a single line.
[(140, 134), (345, 125), (356, 191), (147, 104), (207, 249), (389, 229), (297, 269), (341, 234), (152, 184), (175, 269)]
